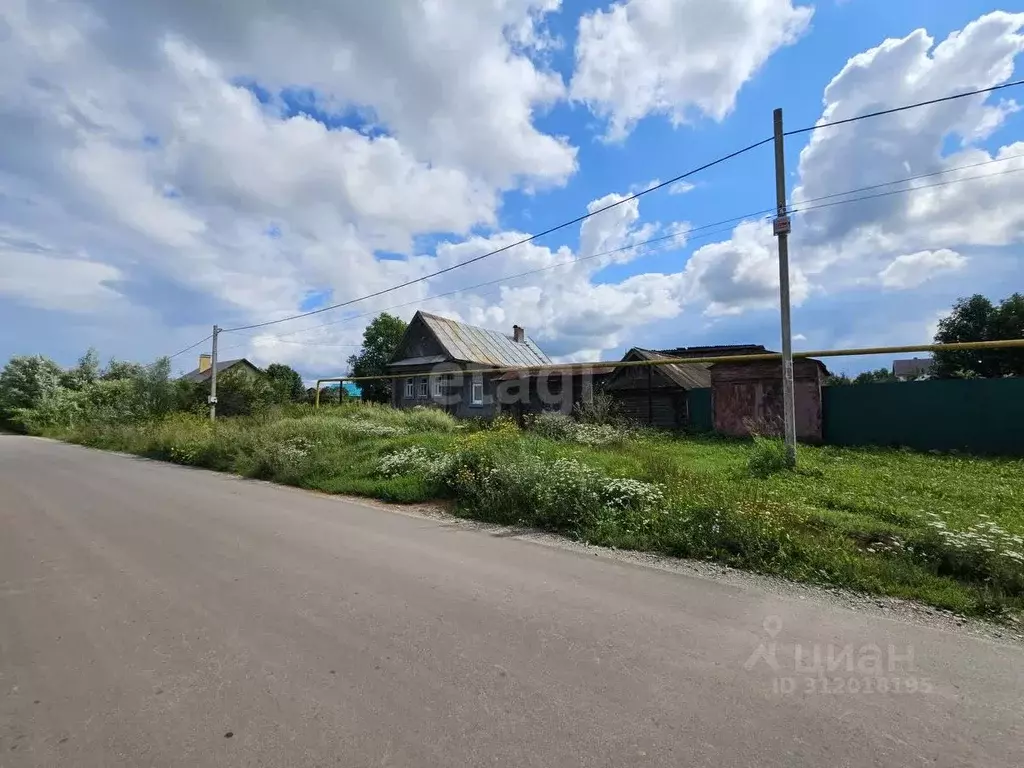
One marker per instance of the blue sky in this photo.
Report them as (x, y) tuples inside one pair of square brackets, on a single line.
[(173, 169)]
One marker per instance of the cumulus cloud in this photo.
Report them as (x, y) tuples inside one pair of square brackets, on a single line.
[(42, 277), (676, 57), (159, 180), (912, 269), (136, 134), (897, 238), (741, 273)]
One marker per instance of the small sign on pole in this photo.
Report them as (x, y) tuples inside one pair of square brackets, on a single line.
[(782, 225)]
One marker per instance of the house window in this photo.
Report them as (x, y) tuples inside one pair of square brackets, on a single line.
[(478, 390), (409, 389), (423, 387), (437, 383)]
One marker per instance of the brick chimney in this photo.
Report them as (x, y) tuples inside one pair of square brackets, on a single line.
[(518, 334), (205, 362)]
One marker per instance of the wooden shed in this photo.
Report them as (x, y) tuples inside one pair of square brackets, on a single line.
[(749, 394), (656, 395)]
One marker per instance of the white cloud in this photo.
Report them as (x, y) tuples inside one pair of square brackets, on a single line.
[(33, 272), (842, 246), (126, 134), (680, 188), (741, 273), (912, 269), (156, 178), (676, 57)]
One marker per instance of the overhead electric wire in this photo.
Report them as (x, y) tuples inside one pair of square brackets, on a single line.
[(634, 196), (800, 208), (504, 248), (908, 179), (661, 238), (186, 349), (906, 189), (904, 108)]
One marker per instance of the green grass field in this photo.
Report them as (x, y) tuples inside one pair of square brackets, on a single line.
[(943, 529)]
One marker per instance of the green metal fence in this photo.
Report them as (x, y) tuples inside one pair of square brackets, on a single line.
[(975, 415)]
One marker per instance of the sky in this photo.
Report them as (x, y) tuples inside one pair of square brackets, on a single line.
[(166, 166)]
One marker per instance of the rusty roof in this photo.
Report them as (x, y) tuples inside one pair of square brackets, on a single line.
[(715, 350), (686, 375), (467, 343)]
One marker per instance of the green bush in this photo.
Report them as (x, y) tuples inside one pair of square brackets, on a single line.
[(421, 419), (553, 425), (767, 456), (601, 409)]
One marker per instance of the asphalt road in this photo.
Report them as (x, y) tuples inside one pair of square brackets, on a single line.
[(153, 615)]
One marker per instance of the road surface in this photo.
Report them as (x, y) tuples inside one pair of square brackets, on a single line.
[(154, 615)]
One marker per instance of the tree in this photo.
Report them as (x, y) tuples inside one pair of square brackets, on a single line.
[(1008, 323), (881, 375), (286, 383), (243, 393), (380, 341), (153, 390), (118, 370), (977, 319), (837, 379), (82, 375), (26, 381)]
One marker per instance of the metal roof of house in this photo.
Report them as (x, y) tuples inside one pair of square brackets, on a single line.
[(470, 344), (686, 375), (429, 360), (715, 350), (690, 375), (222, 365)]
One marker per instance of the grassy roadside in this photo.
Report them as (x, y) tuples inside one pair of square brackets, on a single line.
[(946, 530)]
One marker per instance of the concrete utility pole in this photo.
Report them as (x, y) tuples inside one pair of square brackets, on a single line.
[(213, 376), (782, 227)]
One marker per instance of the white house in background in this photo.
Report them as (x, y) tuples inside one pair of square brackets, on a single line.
[(913, 369)]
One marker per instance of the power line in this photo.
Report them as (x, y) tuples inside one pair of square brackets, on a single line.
[(908, 189), (627, 199), (796, 209), (653, 240), (179, 352), (190, 346), (504, 248), (304, 343), (916, 178), (905, 107)]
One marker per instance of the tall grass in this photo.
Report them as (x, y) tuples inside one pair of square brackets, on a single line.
[(943, 529)]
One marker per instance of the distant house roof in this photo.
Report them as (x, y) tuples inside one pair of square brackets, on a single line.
[(913, 367), (469, 344), (222, 365)]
